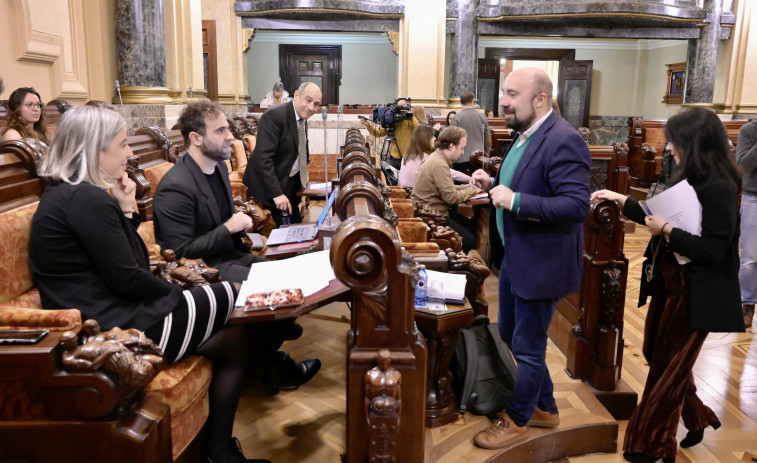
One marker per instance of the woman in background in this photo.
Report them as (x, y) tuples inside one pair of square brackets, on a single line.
[(85, 252), (450, 116), (688, 300), (275, 96), (419, 112), (25, 118), (421, 145)]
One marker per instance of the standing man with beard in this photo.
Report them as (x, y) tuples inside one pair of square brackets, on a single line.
[(278, 165), (539, 202), (194, 215)]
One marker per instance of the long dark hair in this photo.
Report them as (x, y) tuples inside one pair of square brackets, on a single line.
[(14, 116), (420, 143), (703, 143)]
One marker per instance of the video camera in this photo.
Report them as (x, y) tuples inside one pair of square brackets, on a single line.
[(390, 115)]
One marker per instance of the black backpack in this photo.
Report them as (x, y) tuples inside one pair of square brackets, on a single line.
[(483, 368)]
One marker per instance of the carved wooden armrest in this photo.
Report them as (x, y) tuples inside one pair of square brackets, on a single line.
[(183, 272)]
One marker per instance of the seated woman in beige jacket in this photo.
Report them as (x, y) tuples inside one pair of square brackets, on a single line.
[(434, 186)]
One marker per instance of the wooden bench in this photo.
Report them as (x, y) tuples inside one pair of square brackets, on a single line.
[(646, 143), (60, 407)]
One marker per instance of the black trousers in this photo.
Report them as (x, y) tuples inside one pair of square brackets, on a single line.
[(465, 227), (291, 188)]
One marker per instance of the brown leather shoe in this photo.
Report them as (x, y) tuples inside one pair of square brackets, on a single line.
[(748, 310), (502, 432), (544, 419)]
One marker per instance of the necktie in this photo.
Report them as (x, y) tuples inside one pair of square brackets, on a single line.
[(302, 150)]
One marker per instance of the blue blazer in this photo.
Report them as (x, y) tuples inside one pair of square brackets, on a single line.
[(544, 239)]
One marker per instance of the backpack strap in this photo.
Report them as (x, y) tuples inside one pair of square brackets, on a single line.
[(471, 368), (503, 350)]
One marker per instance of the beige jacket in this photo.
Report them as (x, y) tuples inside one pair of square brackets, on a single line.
[(434, 186)]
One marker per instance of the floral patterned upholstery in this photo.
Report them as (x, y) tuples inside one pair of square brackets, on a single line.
[(146, 231), (15, 275), (184, 387), (239, 155), (153, 174)]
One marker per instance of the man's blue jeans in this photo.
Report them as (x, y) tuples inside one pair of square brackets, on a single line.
[(748, 270), (523, 326)]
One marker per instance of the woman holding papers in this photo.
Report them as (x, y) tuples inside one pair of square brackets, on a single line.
[(85, 252), (690, 300)]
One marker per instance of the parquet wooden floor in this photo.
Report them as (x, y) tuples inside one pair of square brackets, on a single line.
[(308, 425)]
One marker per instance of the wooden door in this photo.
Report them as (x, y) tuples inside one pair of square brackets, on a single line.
[(210, 58), (320, 64), (487, 85), (574, 95)]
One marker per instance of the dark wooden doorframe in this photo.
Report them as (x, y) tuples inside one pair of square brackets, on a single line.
[(210, 58), (332, 74), (563, 55)]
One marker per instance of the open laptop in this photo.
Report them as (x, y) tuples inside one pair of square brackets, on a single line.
[(299, 233)]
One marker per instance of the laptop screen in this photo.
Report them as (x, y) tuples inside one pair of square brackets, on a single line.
[(325, 211)]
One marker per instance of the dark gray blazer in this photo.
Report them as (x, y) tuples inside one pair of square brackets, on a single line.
[(187, 218), (274, 155)]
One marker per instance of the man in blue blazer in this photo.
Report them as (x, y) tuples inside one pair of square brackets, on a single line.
[(539, 202), (278, 165)]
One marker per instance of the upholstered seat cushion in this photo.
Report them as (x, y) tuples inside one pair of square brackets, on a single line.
[(15, 274), (412, 231), (153, 174), (184, 387), (14, 317)]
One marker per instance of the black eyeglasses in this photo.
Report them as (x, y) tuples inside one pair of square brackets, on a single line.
[(33, 105)]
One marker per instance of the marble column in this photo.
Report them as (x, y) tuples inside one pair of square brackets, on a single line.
[(702, 56), (140, 40), (463, 51)]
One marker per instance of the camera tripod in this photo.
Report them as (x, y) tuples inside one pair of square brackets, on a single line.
[(386, 147)]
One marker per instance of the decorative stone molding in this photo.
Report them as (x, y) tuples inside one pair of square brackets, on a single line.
[(394, 37)]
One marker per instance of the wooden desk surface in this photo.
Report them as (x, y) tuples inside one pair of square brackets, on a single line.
[(336, 290)]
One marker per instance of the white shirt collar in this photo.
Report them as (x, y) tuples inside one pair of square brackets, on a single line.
[(531, 130), (297, 116)]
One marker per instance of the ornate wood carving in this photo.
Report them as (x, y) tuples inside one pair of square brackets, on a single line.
[(383, 403)]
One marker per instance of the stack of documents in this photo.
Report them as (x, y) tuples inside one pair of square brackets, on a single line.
[(680, 207), (453, 285), (309, 272)]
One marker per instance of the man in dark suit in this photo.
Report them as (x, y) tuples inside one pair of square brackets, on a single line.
[(278, 165), (539, 202), (194, 215)]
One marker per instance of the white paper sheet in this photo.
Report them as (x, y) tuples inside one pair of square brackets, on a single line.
[(454, 285), (680, 207), (310, 272)]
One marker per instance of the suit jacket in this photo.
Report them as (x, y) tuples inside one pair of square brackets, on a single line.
[(715, 295), (544, 239), (85, 254), (274, 155), (187, 218)]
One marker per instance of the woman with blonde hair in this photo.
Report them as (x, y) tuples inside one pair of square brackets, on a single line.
[(421, 145), (25, 117), (419, 112), (85, 252)]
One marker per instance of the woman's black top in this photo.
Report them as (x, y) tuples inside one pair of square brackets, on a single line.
[(86, 254)]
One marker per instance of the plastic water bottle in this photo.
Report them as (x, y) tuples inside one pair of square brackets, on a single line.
[(286, 219), (421, 291)]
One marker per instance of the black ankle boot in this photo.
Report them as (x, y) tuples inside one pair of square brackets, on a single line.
[(228, 452), (694, 437)]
